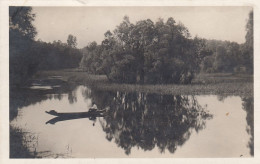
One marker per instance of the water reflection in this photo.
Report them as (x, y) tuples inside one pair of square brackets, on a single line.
[(149, 120), (91, 115), (20, 147), (248, 106), (22, 97), (136, 124)]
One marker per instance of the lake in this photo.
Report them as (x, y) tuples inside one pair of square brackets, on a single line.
[(134, 124)]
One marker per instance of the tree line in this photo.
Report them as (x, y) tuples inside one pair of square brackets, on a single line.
[(227, 56), (164, 52), (57, 55), (27, 56), (145, 52)]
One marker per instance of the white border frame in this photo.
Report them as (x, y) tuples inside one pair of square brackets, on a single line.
[(4, 75)]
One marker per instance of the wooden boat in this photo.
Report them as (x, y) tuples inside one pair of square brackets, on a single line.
[(76, 114), (91, 114)]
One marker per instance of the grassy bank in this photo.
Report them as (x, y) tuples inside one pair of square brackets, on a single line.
[(224, 84), (23, 145), (19, 146)]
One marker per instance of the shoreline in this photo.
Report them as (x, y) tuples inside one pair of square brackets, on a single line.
[(204, 85)]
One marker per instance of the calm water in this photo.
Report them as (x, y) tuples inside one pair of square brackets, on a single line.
[(135, 125)]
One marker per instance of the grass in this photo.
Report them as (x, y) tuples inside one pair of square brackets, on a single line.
[(19, 146), (23, 145), (202, 84), (222, 78)]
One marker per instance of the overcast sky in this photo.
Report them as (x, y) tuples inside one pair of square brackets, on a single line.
[(90, 23)]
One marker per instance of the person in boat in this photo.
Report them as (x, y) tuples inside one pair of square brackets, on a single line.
[(94, 111), (93, 107)]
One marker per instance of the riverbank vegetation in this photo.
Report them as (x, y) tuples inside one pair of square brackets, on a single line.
[(143, 57), (219, 83), (19, 146), (164, 53), (27, 56), (161, 55), (147, 52)]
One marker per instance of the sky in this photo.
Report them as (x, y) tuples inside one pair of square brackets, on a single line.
[(89, 24)]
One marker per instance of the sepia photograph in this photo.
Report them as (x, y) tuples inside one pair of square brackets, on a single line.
[(131, 82)]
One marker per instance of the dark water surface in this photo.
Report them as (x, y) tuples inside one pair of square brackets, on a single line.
[(135, 124)]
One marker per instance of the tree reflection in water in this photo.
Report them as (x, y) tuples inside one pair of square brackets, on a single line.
[(248, 106), (22, 97), (20, 143), (148, 120)]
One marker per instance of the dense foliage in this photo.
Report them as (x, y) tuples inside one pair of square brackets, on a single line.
[(146, 52), (27, 56), (163, 52), (21, 36), (225, 57), (230, 56), (57, 55), (248, 47)]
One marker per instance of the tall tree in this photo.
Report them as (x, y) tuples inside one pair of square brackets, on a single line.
[(248, 49), (23, 62), (20, 21), (148, 52), (250, 30), (72, 41)]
